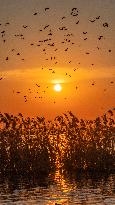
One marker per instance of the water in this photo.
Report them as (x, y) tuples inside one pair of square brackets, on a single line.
[(59, 190)]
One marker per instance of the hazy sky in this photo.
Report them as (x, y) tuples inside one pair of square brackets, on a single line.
[(73, 47)]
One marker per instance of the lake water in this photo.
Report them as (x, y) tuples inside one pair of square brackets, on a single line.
[(59, 190)]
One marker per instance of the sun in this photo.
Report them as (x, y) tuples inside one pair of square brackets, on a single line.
[(57, 87)]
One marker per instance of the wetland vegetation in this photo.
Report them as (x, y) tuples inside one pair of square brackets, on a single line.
[(36, 147)]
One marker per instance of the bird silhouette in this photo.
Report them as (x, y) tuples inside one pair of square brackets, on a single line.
[(105, 24), (24, 26), (35, 13), (77, 22), (100, 37), (92, 21), (47, 8), (37, 85), (84, 32), (98, 17)]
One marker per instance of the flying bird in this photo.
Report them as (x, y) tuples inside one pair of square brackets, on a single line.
[(92, 21), (98, 17), (24, 26), (84, 32), (47, 8), (77, 22), (105, 24), (35, 13), (37, 85), (100, 37)]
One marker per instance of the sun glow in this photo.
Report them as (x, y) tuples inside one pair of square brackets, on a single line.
[(57, 87)]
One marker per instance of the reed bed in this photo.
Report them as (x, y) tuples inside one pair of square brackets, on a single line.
[(34, 146)]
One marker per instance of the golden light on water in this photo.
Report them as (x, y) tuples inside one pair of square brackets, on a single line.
[(57, 87)]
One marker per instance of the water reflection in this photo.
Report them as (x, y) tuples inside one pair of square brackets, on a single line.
[(59, 189)]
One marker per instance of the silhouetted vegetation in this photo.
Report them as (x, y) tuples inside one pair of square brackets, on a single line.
[(33, 146), (25, 147)]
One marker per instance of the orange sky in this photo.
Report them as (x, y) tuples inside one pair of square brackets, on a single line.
[(87, 90)]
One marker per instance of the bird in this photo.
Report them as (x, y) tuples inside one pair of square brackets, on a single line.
[(98, 17), (92, 21), (84, 32), (35, 13), (49, 34), (2, 32), (100, 37), (24, 26), (74, 11), (66, 49), (37, 85), (77, 22), (46, 26), (47, 8), (62, 28), (105, 24)]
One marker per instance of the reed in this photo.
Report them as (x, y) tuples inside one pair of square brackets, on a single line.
[(34, 146)]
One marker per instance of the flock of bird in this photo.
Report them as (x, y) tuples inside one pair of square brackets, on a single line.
[(49, 43)]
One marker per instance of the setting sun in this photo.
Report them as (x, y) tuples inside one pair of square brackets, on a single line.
[(57, 87)]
